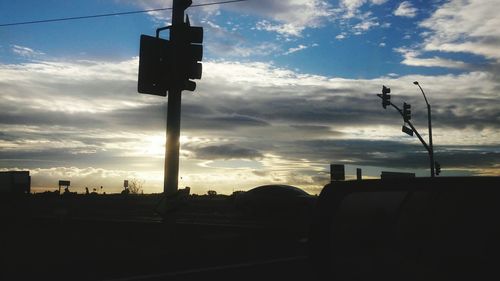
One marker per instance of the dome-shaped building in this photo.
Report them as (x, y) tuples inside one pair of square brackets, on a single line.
[(277, 191), (276, 202)]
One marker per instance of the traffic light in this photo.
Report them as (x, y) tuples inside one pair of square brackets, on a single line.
[(437, 166), (155, 66), (386, 99), (406, 112), (166, 65), (190, 52)]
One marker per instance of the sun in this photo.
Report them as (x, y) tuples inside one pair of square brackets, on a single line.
[(153, 146)]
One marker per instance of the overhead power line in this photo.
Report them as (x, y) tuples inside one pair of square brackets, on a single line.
[(114, 14)]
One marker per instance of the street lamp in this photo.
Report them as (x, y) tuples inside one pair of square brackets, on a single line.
[(431, 147), (406, 114)]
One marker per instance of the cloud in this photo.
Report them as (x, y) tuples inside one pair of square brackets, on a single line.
[(411, 57), (403, 155), (351, 8), (25, 51), (240, 50), (293, 16), (464, 26), (287, 29), (353, 17), (288, 18), (285, 124), (296, 49), (340, 36), (110, 180), (405, 9), (366, 24), (228, 43), (226, 151)]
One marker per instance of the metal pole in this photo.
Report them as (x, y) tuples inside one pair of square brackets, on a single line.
[(431, 152), (431, 147), (173, 145), (171, 174)]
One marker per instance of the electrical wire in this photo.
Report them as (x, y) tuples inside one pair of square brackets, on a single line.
[(114, 14)]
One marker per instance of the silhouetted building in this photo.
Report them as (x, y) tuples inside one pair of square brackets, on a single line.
[(337, 172), (359, 176), (396, 175), (444, 227), (15, 182), (283, 201)]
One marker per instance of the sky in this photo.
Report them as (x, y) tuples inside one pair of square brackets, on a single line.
[(288, 87)]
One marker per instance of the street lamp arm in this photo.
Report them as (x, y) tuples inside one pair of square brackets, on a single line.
[(425, 98)]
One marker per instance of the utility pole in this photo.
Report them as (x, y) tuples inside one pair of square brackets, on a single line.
[(165, 66), (172, 146)]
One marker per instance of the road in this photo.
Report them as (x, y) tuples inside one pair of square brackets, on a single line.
[(85, 249), (289, 268)]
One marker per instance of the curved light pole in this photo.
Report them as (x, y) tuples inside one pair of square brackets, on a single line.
[(431, 147)]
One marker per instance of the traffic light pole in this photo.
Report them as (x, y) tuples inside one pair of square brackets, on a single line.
[(427, 147), (431, 153), (172, 147), (431, 147)]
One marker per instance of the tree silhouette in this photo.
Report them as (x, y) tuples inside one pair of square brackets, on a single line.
[(135, 186)]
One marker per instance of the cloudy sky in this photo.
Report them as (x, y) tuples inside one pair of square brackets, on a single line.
[(288, 87)]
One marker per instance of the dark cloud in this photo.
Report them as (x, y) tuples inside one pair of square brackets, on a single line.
[(36, 117), (302, 110), (151, 117), (314, 128), (469, 156), (260, 173), (381, 153), (225, 151), (73, 155), (228, 121), (363, 110)]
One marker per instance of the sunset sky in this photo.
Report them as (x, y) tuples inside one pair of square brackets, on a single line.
[(288, 87)]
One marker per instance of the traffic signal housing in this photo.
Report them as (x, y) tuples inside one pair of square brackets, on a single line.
[(189, 53), (386, 99), (406, 112), (166, 65), (155, 66)]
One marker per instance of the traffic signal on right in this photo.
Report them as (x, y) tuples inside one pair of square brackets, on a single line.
[(190, 52), (406, 112), (386, 99), (437, 166)]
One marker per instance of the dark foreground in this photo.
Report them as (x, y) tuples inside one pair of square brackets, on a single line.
[(121, 238), (404, 229), (90, 250)]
